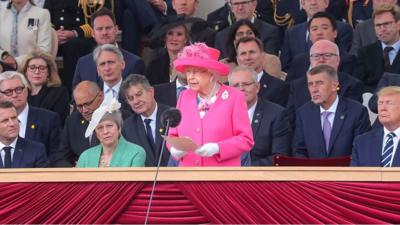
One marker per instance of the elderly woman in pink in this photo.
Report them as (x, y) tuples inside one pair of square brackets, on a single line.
[(214, 116)]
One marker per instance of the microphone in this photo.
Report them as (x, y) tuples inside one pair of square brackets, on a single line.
[(169, 118)]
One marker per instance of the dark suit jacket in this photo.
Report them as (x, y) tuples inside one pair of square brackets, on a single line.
[(294, 42), (369, 68), (44, 126), (271, 133), (157, 72), (367, 149), (55, 99), (28, 154), (364, 34), (350, 87), (388, 79), (269, 35), (73, 141), (86, 68), (301, 64), (166, 93), (351, 119), (273, 89), (134, 131)]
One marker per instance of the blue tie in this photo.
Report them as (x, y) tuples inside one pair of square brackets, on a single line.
[(149, 133), (7, 157), (388, 151)]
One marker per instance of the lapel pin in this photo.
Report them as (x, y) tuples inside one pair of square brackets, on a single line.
[(225, 95), (33, 126), (265, 86), (82, 121), (342, 117), (256, 121), (258, 114), (161, 130)]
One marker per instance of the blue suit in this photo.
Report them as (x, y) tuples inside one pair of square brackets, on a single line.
[(351, 119), (273, 89), (44, 127), (367, 149), (86, 68), (28, 154), (294, 42)]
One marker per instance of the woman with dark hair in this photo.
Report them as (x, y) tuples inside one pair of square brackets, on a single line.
[(244, 28), (40, 69)]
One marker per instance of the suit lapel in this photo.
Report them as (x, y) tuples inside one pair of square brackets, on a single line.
[(377, 142), (257, 117), (18, 153), (395, 67), (315, 126), (338, 122), (158, 139), (31, 125)]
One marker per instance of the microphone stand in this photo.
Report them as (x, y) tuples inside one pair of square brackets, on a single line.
[(156, 176)]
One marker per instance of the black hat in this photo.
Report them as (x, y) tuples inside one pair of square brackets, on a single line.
[(167, 23)]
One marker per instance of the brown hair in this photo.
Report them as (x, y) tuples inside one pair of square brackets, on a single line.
[(394, 10)]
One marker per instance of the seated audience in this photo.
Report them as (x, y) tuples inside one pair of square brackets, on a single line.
[(36, 124), (270, 125), (380, 146), (113, 150), (383, 55), (144, 127), (45, 91), (327, 125), (17, 152), (245, 28), (24, 27)]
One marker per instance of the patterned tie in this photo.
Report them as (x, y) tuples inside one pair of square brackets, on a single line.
[(7, 158), (326, 128), (179, 90), (386, 59), (388, 151), (149, 133)]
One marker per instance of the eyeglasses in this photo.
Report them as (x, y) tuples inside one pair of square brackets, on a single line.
[(9, 92), (87, 104), (243, 85), (317, 56), (237, 4), (384, 25), (33, 68)]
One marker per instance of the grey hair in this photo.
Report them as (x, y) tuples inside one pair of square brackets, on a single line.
[(8, 75), (243, 69), (133, 80), (115, 116), (107, 48), (328, 70)]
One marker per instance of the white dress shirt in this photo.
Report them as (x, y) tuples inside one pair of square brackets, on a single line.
[(3, 153), (23, 121), (395, 141), (153, 118), (331, 109)]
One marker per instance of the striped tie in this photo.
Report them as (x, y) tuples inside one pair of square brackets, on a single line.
[(388, 151)]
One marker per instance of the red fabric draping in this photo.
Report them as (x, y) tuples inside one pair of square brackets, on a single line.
[(201, 202)]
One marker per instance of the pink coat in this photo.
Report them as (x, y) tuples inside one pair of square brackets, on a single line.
[(225, 123)]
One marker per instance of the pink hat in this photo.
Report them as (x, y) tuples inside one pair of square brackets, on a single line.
[(200, 55)]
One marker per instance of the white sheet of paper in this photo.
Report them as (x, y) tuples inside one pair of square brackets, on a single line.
[(181, 143)]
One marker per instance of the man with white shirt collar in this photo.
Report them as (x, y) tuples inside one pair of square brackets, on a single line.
[(168, 93), (245, 9), (249, 53), (36, 124), (270, 125), (144, 126), (327, 125), (380, 147), (16, 152)]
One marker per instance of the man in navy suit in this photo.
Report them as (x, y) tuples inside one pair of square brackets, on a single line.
[(104, 32), (270, 125), (269, 34), (15, 151), (380, 147), (383, 55), (144, 126), (322, 52), (388, 79), (296, 39), (249, 53), (168, 93), (36, 124), (327, 126)]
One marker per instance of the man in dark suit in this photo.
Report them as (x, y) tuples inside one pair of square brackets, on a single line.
[(144, 126), (15, 151), (383, 55), (388, 79), (249, 53), (168, 93), (36, 124), (380, 147), (88, 97), (322, 52), (269, 34), (326, 126), (269, 123), (296, 39), (104, 32), (322, 26)]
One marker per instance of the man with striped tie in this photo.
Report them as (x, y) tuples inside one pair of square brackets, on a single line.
[(379, 147)]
